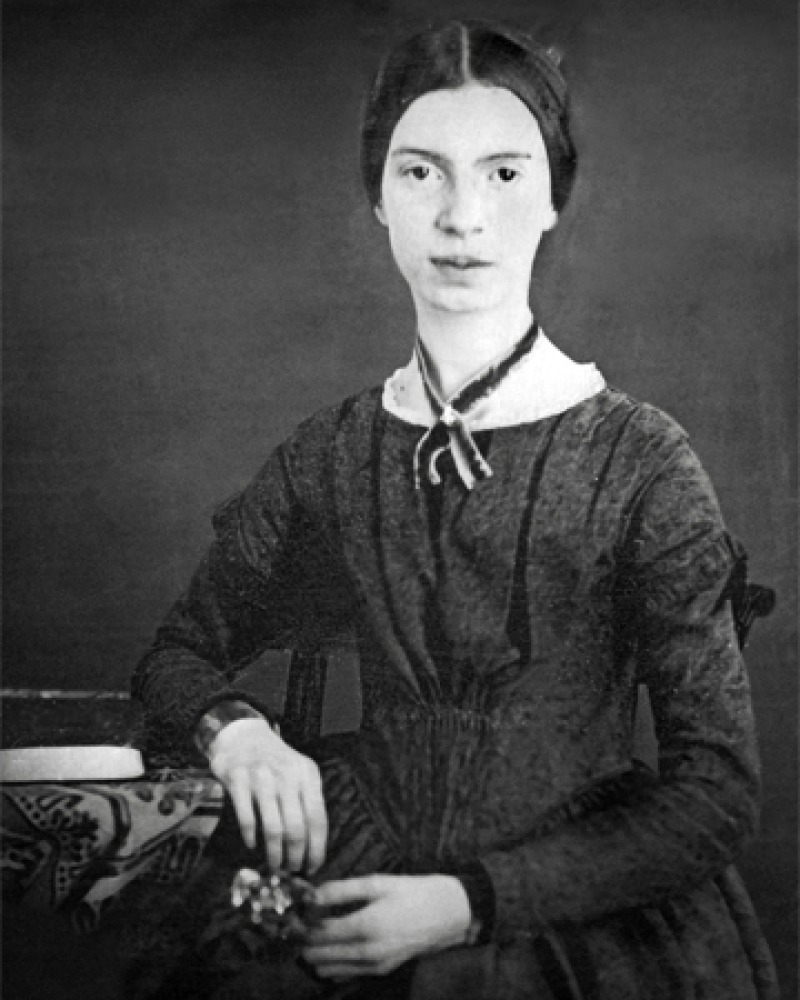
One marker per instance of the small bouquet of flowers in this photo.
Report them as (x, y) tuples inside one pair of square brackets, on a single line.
[(282, 904), (261, 916)]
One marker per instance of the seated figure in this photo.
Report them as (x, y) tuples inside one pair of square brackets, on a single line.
[(517, 547)]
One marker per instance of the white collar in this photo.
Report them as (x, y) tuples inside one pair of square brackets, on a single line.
[(544, 383)]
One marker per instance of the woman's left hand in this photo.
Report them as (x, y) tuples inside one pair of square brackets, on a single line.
[(400, 917)]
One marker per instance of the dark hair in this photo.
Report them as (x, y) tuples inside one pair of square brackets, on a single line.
[(460, 52)]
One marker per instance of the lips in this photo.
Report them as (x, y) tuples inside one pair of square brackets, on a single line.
[(460, 262)]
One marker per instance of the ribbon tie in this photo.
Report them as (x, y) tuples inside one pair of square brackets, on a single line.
[(451, 429)]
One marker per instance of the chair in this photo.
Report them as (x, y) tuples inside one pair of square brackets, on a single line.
[(309, 693), (748, 601), (315, 685)]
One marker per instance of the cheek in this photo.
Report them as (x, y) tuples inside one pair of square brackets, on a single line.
[(407, 229), (521, 226), (520, 234), (404, 248)]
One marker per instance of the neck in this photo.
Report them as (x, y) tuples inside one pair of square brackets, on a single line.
[(460, 345)]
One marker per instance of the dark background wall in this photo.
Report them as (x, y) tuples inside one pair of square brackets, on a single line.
[(190, 268)]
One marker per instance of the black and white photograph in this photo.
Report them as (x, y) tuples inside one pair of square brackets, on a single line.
[(399, 500)]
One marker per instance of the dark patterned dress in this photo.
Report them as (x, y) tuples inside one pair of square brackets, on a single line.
[(503, 632)]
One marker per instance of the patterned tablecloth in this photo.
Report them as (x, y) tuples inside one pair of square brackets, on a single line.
[(74, 847)]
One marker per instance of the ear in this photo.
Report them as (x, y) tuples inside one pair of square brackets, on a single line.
[(380, 215)]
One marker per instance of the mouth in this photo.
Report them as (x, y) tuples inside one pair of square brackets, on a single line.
[(460, 262)]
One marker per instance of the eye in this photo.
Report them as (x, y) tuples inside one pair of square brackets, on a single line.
[(421, 174), (505, 175)]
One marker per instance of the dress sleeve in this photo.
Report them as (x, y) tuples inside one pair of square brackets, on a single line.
[(664, 836), (260, 584)]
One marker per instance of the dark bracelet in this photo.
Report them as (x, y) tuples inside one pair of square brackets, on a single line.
[(218, 717), (480, 893)]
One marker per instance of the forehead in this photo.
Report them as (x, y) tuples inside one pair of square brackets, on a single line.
[(472, 120)]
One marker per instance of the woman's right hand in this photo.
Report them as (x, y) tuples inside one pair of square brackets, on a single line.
[(269, 781)]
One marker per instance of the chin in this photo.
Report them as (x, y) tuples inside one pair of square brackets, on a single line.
[(463, 300)]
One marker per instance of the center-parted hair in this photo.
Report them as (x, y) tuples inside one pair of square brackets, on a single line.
[(458, 53)]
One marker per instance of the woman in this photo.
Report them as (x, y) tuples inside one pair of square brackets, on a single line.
[(517, 546)]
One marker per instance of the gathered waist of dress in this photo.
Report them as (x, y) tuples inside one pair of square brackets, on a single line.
[(414, 716), (398, 714), (450, 782), (423, 770)]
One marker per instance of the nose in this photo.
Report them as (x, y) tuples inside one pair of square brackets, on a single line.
[(462, 209)]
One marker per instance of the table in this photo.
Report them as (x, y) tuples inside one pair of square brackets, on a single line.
[(74, 847)]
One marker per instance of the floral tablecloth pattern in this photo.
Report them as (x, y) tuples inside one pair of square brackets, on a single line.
[(74, 847)]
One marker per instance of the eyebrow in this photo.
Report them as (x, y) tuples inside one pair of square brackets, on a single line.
[(439, 159)]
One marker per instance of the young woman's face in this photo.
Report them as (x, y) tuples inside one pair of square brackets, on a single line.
[(466, 197)]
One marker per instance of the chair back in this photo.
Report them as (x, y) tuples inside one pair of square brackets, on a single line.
[(314, 694)]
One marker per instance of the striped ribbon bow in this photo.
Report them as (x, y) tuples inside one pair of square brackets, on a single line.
[(451, 429)]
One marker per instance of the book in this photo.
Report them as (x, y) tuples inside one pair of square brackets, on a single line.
[(70, 763)]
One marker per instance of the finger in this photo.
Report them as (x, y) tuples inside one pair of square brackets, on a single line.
[(271, 824), (340, 973), (242, 799), (353, 954), (351, 890), (339, 930), (316, 820), (294, 831)]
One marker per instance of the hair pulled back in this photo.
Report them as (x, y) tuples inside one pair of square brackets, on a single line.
[(460, 52)]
